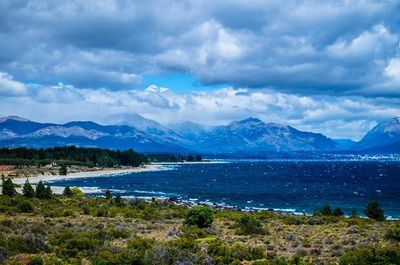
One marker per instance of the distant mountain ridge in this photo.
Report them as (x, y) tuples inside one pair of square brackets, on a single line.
[(384, 134), (16, 132), (250, 135)]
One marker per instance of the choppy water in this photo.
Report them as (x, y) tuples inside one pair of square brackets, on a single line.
[(300, 186)]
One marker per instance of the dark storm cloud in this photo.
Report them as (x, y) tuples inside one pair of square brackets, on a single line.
[(302, 47)]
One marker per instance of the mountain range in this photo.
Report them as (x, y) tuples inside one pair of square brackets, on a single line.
[(144, 135)]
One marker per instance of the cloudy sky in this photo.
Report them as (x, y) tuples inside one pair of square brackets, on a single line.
[(326, 66)]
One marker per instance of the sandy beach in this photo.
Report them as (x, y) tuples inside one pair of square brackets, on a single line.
[(84, 174)]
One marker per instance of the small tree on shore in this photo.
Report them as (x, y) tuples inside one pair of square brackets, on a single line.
[(108, 194), (27, 190), (63, 169), (68, 192), (119, 201), (8, 187), (48, 193), (373, 211), (40, 191)]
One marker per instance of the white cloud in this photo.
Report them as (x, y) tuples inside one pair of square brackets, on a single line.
[(393, 70), (339, 117), (10, 87), (334, 47)]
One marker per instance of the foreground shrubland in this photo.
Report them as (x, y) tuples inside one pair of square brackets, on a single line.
[(72, 229)]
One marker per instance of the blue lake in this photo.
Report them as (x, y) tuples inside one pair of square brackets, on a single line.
[(300, 186)]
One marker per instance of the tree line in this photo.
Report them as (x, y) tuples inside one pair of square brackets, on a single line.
[(71, 155)]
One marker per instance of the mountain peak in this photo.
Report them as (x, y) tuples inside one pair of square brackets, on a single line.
[(383, 134), (250, 120), (15, 118), (395, 120)]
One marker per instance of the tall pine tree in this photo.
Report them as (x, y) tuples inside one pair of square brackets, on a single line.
[(40, 191), (27, 190), (8, 187)]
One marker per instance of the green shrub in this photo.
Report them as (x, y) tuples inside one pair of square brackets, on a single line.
[(138, 249), (77, 193), (338, 212), (29, 243), (80, 243), (194, 232), (36, 260), (118, 233), (224, 254), (394, 232), (118, 201), (373, 211), (200, 216), (371, 255), (280, 261), (25, 207), (102, 212), (249, 225), (326, 210), (140, 243)]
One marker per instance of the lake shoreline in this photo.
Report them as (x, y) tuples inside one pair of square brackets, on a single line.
[(88, 174)]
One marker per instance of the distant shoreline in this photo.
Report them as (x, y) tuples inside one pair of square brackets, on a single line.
[(85, 174)]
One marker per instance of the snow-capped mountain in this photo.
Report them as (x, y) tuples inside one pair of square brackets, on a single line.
[(158, 131), (191, 130), (385, 134)]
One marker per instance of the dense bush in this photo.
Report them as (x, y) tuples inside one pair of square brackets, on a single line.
[(28, 243), (118, 201), (224, 254), (200, 216), (326, 210), (25, 207), (248, 225), (394, 232), (296, 260), (371, 255), (373, 211), (36, 260)]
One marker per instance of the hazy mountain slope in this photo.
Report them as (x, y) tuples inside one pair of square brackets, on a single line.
[(345, 144), (191, 130), (151, 127), (383, 134)]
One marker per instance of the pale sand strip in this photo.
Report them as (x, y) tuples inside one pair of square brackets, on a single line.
[(87, 174)]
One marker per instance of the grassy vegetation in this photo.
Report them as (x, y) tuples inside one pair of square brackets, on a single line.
[(73, 229)]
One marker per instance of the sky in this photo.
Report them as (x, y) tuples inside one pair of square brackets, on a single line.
[(324, 66)]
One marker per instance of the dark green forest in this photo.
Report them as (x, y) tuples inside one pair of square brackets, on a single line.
[(70, 155), (82, 156)]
